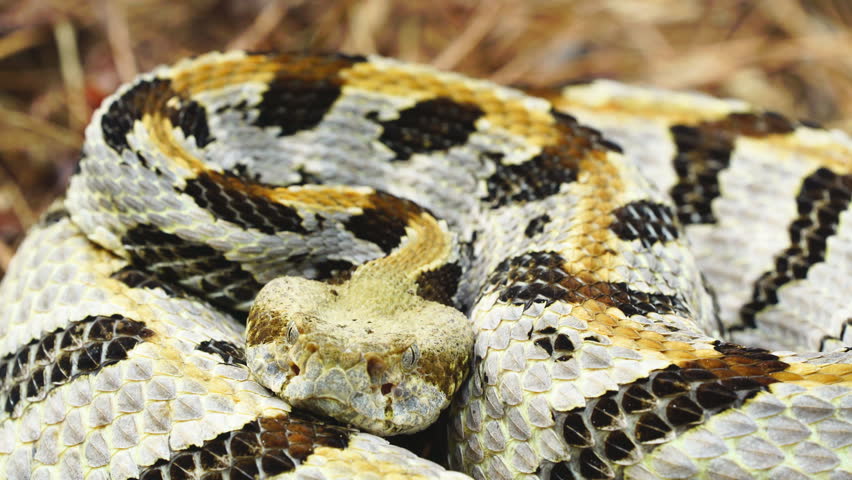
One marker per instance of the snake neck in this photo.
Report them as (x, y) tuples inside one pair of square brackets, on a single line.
[(400, 275)]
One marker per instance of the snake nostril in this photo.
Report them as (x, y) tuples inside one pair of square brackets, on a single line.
[(386, 388), (294, 368), (375, 368)]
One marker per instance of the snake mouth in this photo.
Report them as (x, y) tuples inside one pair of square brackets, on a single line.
[(369, 390), (386, 404)]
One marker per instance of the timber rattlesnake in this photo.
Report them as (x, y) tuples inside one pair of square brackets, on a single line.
[(596, 348)]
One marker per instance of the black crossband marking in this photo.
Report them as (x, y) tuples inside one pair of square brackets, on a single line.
[(822, 198), (230, 353), (623, 426), (646, 221), (704, 150), (85, 347), (138, 278), (231, 198), (123, 113), (541, 277), (433, 125), (193, 265), (148, 96), (302, 92), (262, 448), (544, 174)]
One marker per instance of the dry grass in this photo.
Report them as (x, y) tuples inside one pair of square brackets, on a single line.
[(59, 58)]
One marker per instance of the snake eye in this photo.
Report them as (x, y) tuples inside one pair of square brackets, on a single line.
[(410, 356), (292, 333)]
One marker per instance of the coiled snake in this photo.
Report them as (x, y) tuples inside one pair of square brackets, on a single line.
[(389, 198)]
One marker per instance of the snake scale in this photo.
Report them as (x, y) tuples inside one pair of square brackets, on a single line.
[(541, 261)]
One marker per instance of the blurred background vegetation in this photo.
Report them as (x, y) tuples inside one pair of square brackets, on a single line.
[(60, 58)]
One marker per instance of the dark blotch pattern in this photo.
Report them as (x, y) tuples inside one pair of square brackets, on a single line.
[(592, 466), (138, 278), (302, 92), (377, 227), (605, 415), (334, 271), (384, 223), (536, 225), (541, 277), (227, 351), (561, 471), (637, 399), (146, 95), (545, 344), (191, 118), (535, 179), (195, 266), (150, 96), (575, 431), (544, 174), (262, 448), (557, 345), (651, 428), (822, 198), (85, 347), (619, 448), (433, 125), (440, 285), (704, 150), (230, 198), (621, 427), (563, 343), (646, 221)]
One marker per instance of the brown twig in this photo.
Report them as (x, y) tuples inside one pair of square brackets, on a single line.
[(367, 19), (486, 15), (264, 23), (49, 132), (20, 40), (72, 73), (118, 36)]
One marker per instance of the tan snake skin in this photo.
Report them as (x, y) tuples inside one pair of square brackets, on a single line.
[(581, 231)]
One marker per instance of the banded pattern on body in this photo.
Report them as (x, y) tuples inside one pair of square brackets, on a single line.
[(597, 350)]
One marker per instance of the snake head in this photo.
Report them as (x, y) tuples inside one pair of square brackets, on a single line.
[(387, 366)]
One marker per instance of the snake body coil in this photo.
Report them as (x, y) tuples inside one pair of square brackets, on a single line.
[(410, 225)]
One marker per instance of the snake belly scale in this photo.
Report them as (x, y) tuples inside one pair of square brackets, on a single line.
[(558, 266)]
